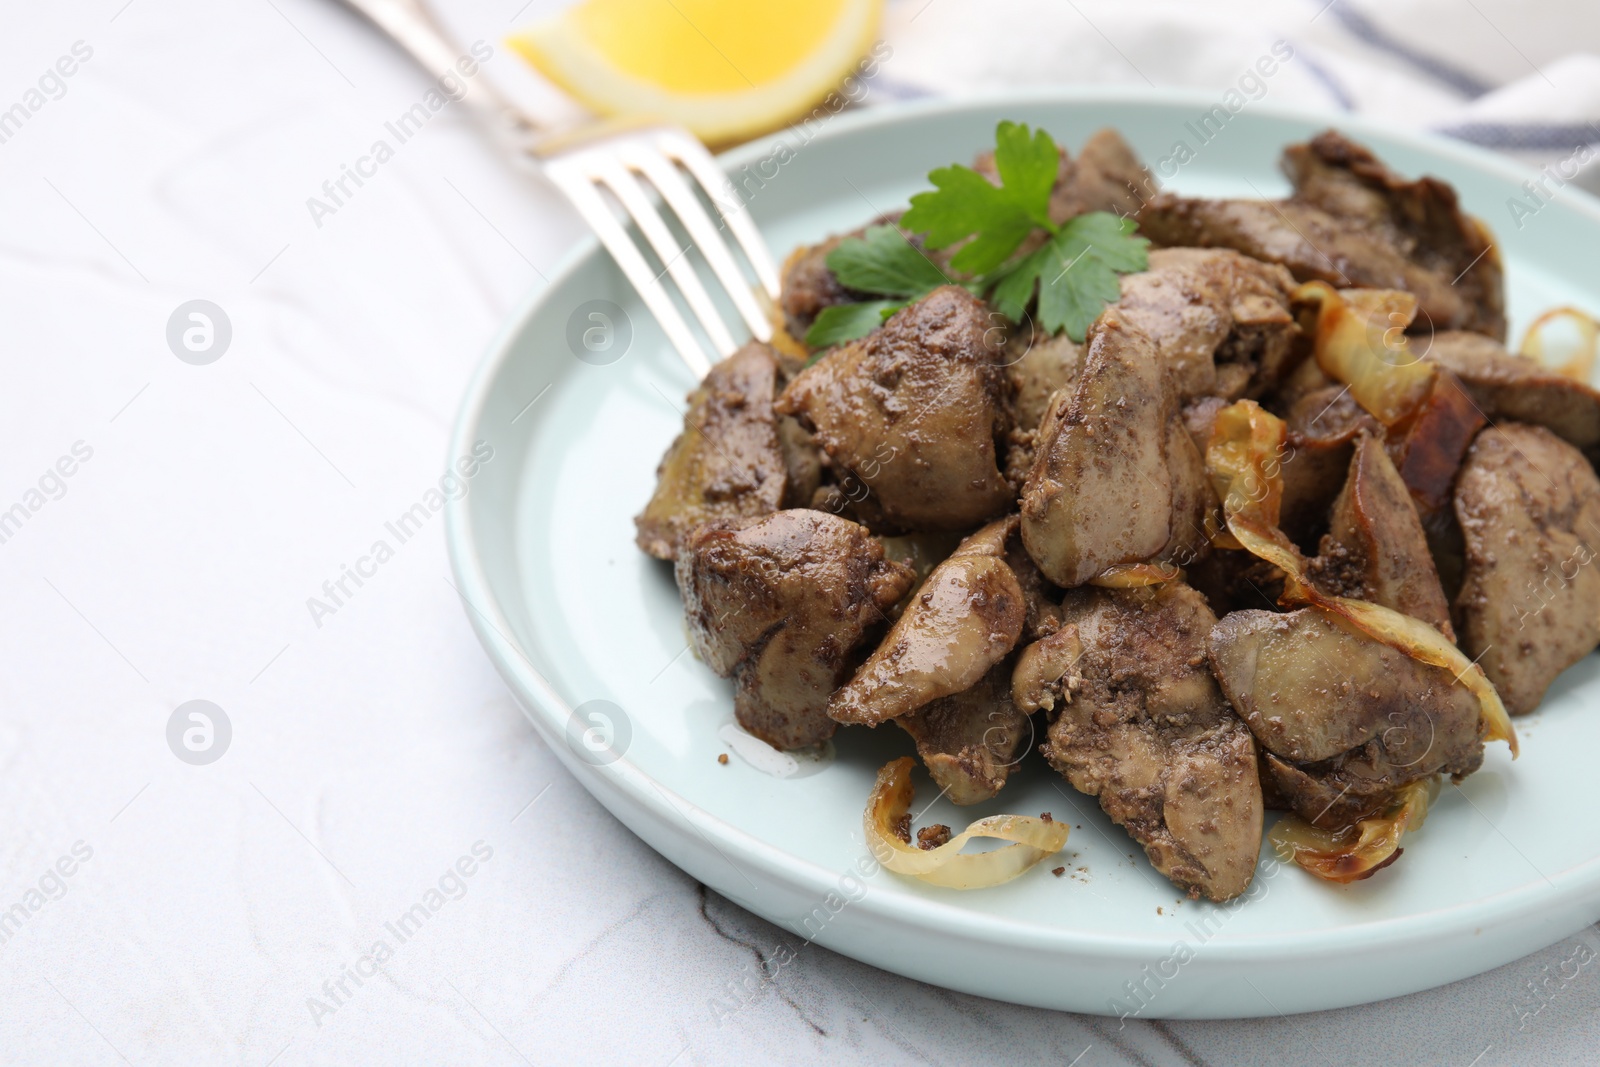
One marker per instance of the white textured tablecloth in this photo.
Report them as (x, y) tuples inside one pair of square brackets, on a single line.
[(169, 521)]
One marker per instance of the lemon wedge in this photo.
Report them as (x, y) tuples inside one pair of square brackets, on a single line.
[(725, 69)]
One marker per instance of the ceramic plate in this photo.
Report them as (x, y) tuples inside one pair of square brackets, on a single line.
[(589, 634)]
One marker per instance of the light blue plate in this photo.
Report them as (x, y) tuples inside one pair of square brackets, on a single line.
[(571, 612)]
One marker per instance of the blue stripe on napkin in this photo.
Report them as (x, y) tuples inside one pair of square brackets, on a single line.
[(1525, 136), (1369, 33)]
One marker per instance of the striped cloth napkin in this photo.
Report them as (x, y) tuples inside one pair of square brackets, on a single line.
[(1518, 76)]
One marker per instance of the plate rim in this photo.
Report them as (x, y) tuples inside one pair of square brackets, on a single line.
[(1568, 887)]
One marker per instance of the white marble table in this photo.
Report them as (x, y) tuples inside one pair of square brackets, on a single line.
[(226, 912)]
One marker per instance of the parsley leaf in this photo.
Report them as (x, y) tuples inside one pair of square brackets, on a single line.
[(845, 322), (1075, 273), (997, 217), (884, 262)]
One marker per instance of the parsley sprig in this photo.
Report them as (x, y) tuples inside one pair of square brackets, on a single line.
[(1073, 272)]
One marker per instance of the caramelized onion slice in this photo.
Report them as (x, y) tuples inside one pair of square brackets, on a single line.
[(889, 807), (1135, 575), (1243, 459), (1361, 341), (1362, 850), (1570, 357)]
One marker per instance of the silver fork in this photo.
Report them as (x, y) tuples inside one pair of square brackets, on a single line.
[(628, 160)]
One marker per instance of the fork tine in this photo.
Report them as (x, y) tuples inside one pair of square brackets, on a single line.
[(607, 169), (693, 155), (572, 180), (659, 171)]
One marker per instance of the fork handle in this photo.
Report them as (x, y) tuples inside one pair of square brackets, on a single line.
[(411, 26)]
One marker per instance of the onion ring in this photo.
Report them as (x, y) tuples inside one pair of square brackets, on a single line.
[(889, 808), (1579, 364)]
